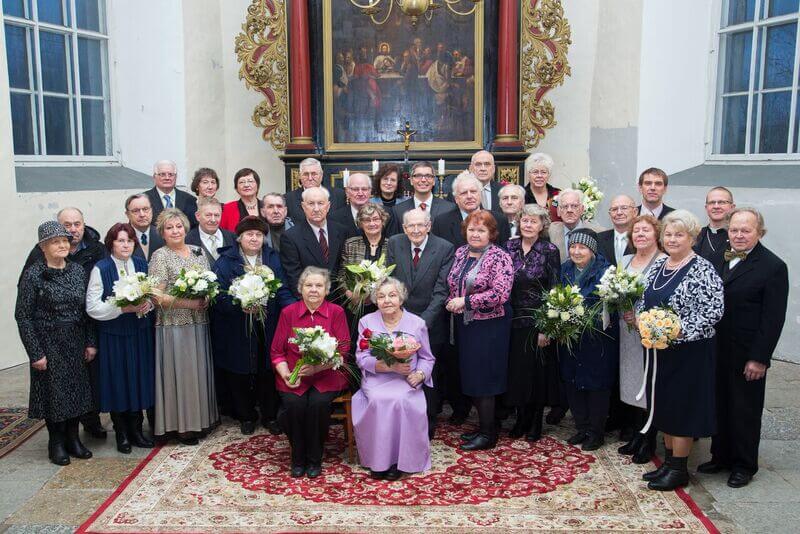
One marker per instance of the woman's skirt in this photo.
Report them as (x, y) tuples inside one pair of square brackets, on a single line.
[(483, 354), (127, 371), (532, 371)]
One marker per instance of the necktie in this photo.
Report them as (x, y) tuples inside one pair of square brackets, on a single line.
[(213, 239), (730, 254), (487, 199), (143, 240), (323, 244), (168, 201), (416, 256), (423, 206)]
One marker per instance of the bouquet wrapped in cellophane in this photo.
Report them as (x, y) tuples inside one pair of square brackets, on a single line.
[(133, 290), (253, 289), (195, 284), (361, 278), (563, 317), (316, 347), (659, 328), (396, 347)]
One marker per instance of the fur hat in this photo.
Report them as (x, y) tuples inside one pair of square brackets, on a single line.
[(251, 222)]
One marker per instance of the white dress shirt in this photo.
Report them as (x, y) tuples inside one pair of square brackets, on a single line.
[(427, 202), (206, 240), (324, 228), (95, 307), (172, 196), (620, 244), (421, 248), (654, 212), (486, 196), (145, 248), (735, 261)]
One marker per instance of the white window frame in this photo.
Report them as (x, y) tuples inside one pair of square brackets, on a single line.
[(716, 71), (75, 97)]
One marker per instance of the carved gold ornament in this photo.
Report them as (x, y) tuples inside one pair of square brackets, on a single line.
[(262, 52), (508, 174), (544, 41)]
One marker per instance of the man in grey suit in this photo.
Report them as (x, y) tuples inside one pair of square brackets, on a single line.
[(422, 180), (208, 235), (422, 262), (570, 209), (139, 211)]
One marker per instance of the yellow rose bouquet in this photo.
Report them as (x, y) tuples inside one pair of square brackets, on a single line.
[(659, 328)]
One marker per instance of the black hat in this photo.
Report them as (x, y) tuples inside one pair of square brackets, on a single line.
[(586, 237), (52, 229), (251, 222)]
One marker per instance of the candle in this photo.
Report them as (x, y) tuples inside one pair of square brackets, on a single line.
[(345, 177), (375, 166), (441, 166)]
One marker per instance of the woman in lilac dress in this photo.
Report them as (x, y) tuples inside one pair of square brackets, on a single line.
[(389, 411)]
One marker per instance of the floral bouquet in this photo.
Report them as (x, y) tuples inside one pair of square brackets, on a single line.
[(393, 348), (133, 290), (619, 290), (361, 278), (591, 196), (563, 317), (659, 328), (195, 284), (254, 289), (316, 347)]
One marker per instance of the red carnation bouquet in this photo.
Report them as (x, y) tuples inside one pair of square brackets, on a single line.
[(393, 348)]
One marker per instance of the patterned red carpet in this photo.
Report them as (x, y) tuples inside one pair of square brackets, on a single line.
[(15, 428), (233, 483)]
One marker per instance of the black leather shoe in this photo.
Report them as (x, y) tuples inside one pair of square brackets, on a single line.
[(652, 475), (58, 454), (518, 430), (643, 454), (137, 438), (593, 442), (298, 471), (247, 427), (739, 479), (313, 471), (577, 438), (273, 427), (632, 446), (711, 467), (555, 415), (469, 436), (393, 473), (121, 428), (377, 475), (480, 443), (672, 479), (188, 439), (96, 431)]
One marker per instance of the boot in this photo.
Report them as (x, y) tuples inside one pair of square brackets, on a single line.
[(55, 443), (676, 476), (523, 423), (535, 433), (647, 447), (632, 446), (652, 475), (138, 439), (120, 422), (73, 442)]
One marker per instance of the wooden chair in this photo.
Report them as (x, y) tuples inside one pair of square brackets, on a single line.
[(346, 418)]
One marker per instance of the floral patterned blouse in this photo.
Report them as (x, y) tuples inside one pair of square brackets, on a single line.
[(534, 273), (166, 265)]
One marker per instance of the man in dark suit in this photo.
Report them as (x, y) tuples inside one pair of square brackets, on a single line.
[(422, 262), (614, 244), (311, 176), (208, 235), (422, 180), (314, 240), (467, 191), (358, 190), (713, 239), (756, 285), (653, 184), (165, 195), (140, 215), (483, 168)]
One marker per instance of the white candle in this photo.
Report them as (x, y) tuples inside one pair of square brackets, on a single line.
[(345, 177), (441, 167), (375, 166)]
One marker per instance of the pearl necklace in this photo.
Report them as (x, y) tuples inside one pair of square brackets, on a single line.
[(669, 277)]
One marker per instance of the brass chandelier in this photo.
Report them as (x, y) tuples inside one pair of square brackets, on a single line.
[(414, 8)]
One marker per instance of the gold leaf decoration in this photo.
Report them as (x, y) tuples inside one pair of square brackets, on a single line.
[(545, 40), (262, 52)]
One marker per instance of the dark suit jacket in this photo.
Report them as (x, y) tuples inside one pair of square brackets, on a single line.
[(495, 185), (756, 292), (183, 201), (193, 238), (605, 242), (344, 217), (666, 209), (155, 242), (427, 284), (707, 239), (294, 198), (448, 227), (300, 249), (438, 207)]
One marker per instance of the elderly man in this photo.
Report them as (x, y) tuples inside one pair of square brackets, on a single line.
[(756, 287), (511, 198), (483, 168), (358, 190), (165, 195), (422, 181), (140, 215), (570, 210), (467, 190), (613, 244), (422, 262), (311, 176), (314, 240), (653, 184), (713, 238), (273, 210), (208, 235)]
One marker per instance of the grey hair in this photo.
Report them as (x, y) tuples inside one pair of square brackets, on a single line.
[(311, 271), (371, 208), (204, 202), (167, 215), (417, 211), (310, 190), (512, 187), (571, 191), (539, 158), (362, 175), (68, 208), (683, 219), (310, 162), (475, 155), (164, 163), (535, 210), (137, 196), (464, 178), (390, 281), (277, 195), (762, 229)]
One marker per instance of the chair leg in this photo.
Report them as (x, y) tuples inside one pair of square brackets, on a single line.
[(350, 436)]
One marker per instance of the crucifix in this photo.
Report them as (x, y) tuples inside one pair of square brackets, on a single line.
[(407, 134)]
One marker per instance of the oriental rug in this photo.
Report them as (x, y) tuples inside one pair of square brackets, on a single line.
[(235, 483), (15, 428)]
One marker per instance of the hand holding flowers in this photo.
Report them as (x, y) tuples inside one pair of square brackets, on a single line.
[(389, 348), (195, 284), (132, 293), (316, 347), (659, 328), (253, 290), (563, 317), (619, 290), (361, 278)]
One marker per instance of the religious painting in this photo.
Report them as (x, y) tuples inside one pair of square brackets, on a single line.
[(381, 72)]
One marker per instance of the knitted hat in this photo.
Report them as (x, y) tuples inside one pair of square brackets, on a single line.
[(251, 222), (584, 236), (52, 229)]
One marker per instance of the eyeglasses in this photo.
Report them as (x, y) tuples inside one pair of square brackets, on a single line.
[(166, 174), (570, 207), (415, 226), (376, 219), (718, 202), (246, 182), (422, 176), (620, 209), (141, 210), (359, 189)]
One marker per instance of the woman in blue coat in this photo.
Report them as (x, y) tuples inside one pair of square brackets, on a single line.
[(589, 371), (239, 341)]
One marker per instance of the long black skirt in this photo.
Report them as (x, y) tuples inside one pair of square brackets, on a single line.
[(532, 371), (483, 354)]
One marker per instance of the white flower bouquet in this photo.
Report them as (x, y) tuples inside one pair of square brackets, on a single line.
[(254, 288), (195, 284), (563, 317), (316, 347), (619, 289), (133, 290), (361, 278), (591, 196)]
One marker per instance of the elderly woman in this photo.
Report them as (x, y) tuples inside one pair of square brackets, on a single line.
[(239, 340), (511, 198), (59, 340), (539, 191), (588, 372), (480, 283), (185, 399), (644, 237), (682, 402), (306, 404), (386, 187), (126, 357), (389, 411), (205, 183), (246, 182), (532, 362)]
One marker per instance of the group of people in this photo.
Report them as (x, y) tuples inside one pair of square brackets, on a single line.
[(469, 273)]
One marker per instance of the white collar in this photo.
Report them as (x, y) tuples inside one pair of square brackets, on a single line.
[(619, 236), (428, 201), (421, 246), (161, 193), (316, 228), (654, 212), (206, 236)]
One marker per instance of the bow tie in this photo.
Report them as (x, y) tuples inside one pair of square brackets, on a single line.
[(730, 254)]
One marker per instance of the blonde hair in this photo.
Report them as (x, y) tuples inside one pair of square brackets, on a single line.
[(169, 214)]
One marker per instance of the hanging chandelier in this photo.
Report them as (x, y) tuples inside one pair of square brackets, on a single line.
[(414, 8)]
